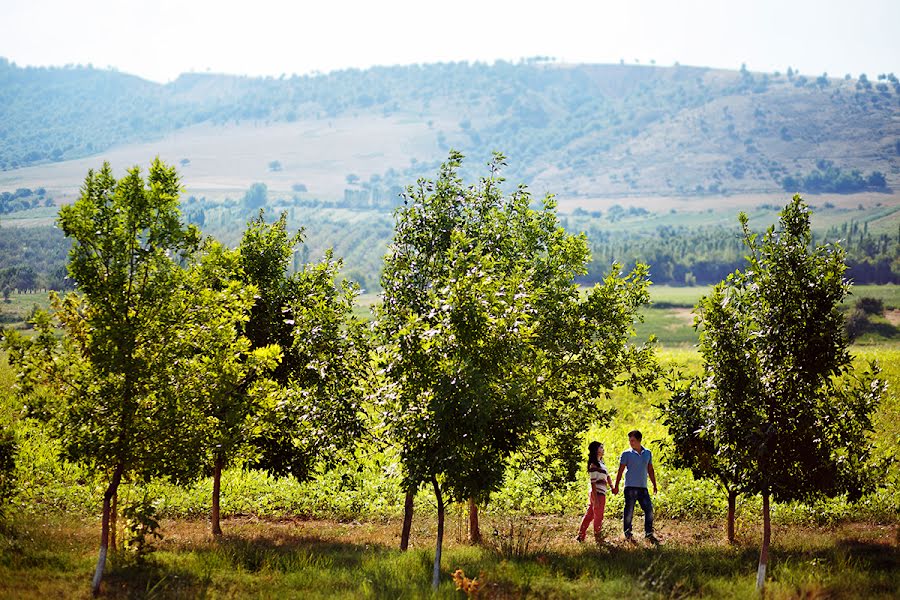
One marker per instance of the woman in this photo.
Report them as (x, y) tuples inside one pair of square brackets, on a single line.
[(600, 483)]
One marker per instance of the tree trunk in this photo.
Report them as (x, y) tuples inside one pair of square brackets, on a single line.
[(764, 551), (436, 576), (407, 519), (732, 500), (104, 531), (474, 529), (113, 520), (217, 486)]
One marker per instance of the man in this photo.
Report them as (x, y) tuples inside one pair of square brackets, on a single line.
[(638, 462)]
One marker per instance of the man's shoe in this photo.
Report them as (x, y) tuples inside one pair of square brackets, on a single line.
[(652, 539), (630, 539), (579, 539)]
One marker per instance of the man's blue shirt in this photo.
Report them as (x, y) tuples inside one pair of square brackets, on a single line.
[(636, 467)]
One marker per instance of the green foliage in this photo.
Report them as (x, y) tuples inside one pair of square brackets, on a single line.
[(107, 403), (313, 409), (104, 386), (779, 399), (491, 348)]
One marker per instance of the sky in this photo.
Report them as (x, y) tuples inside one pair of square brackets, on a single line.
[(160, 39)]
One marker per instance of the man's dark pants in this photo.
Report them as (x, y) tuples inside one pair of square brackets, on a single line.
[(642, 497)]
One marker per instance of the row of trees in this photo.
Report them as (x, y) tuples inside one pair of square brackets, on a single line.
[(181, 356), (23, 199)]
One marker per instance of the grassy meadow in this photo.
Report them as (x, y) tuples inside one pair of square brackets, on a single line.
[(337, 536)]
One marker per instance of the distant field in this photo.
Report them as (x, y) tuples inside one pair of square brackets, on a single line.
[(664, 296), (226, 160)]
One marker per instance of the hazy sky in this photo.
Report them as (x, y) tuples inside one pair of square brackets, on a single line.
[(159, 39)]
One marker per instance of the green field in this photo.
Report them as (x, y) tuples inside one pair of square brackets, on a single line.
[(53, 558), (336, 536)]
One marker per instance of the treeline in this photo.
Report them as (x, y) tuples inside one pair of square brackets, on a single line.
[(23, 199), (827, 178), (705, 256), (34, 258)]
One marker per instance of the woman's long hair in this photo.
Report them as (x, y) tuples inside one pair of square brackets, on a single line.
[(592, 454)]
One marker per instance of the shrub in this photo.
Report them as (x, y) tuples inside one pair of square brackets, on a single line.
[(856, 323), (141, 526), (870, 306)]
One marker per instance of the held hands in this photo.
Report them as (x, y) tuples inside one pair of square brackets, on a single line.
[(615, 490)]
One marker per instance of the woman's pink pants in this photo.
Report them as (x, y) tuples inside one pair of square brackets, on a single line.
[(594, 512)]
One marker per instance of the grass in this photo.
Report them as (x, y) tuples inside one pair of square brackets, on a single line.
[(664, 296), (336, 536), (15, 311), (670, 317), (53, 557)]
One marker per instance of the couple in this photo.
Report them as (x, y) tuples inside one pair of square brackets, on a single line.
[(637, 466)]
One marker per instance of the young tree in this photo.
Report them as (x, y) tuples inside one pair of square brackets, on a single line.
[(111, 404), (489, 343), (218, 375), (692, 447), (313, 414), (786, 410)]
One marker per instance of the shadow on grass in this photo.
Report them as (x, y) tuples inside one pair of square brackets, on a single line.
[(285, 564), (153, 580)]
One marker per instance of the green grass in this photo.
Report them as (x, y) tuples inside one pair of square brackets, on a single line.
[(15, 311), (687, 297), (53, 557)]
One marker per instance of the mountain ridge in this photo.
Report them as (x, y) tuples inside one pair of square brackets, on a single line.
[(578, 130)]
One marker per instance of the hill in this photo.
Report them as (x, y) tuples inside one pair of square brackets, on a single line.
[(582, 131)]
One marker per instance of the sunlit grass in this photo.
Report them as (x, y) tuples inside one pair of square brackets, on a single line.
[(327, 559)]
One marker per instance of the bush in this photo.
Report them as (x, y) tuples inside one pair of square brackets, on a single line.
[(870, 306), (856, 323)]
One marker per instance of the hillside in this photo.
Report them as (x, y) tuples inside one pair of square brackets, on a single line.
[(582, 131)]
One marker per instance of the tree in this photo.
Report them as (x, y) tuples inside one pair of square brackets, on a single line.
[(256, 197), (785, 408), (489, 344), (313, 412), (218, 374), (691, 446), (112, 408)]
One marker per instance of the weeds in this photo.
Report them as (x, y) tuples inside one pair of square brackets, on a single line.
[(519, 539)]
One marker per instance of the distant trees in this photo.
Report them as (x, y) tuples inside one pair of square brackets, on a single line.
[(23, 199), (829, 178), (256, 197)]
